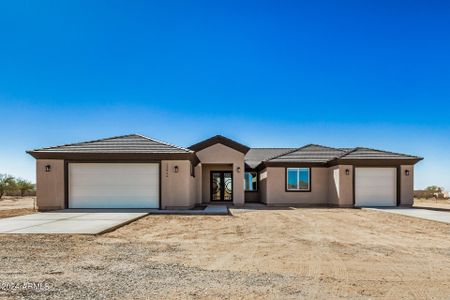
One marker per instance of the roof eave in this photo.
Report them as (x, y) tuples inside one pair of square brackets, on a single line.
[(102, 156), (374, 161)]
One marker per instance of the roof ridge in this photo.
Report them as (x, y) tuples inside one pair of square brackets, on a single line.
[(165, 143), (85, 142), (347, 152), (285, 153), (328, 147)]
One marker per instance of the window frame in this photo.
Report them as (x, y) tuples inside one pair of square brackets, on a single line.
[(297, 190), (257, 183)]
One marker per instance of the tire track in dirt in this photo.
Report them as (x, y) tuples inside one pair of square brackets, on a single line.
[(314, 260), (336, 263), (418, 293)]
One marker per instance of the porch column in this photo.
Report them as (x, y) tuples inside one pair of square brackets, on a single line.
[(238, 184)]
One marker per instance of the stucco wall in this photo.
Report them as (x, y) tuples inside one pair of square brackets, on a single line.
[(276, 188), (198, 183), (50, 185), (345, 186), (252, 197), (178, 190), (406, 185), (221, 154)]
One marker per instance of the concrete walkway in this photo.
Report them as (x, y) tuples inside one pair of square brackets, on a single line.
[(427, 214), (69, 222), (90, 221)]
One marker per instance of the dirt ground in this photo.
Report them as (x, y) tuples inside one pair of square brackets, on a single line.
[(432, 203), (16, 206), (9, 202), (273, 254)]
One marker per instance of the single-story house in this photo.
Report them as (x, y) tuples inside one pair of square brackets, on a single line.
[(134, 171)]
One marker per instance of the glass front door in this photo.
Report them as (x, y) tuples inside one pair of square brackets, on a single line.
[(221, 186)]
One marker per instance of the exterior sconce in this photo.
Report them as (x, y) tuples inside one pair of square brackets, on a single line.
[(238, 169), (347, 172), (175, 169), (48, 168), (407, 172)]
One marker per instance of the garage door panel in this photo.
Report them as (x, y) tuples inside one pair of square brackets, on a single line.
[(113, 185), (375, 186), (112, 192)]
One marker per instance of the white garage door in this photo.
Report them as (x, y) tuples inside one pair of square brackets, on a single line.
[(375, 187), (113, 185)]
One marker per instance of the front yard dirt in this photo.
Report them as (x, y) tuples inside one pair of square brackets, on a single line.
[(443, 204), (270, 253), (16, 206)]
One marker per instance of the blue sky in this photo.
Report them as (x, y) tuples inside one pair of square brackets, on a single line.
[(266, 73)]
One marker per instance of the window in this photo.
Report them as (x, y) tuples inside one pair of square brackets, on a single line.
[(298, 179), (251, 181)]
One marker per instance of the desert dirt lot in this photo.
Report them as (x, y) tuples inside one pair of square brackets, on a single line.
[(16, 206), (279, 253), (432, 203)]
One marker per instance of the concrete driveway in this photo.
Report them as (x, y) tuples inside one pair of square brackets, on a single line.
[(70, 221), (428, 214)]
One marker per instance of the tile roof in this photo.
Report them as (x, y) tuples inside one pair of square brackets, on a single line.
[(367, 153), (131, 143), (139, 144), (257, 155), (320, 154), (310, 153)]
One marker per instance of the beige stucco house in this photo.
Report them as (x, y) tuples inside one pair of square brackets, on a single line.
[(135, 171)]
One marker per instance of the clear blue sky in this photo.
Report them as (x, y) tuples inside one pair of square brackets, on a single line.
[(266, 73)]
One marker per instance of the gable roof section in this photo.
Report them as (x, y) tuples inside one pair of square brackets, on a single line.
[(257, 155), (131, 146), (321, 155), (131, 143), (219, 139)]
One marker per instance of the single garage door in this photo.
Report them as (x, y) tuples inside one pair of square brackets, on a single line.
[(375, 187), (113, 185)]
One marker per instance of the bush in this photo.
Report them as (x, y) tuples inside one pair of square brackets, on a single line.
[(7, 184), (11, 186), (431, 192)]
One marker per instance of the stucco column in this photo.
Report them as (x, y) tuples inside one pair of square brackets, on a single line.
[(345, 186), (50, 187), (238, 184), (406, 185)]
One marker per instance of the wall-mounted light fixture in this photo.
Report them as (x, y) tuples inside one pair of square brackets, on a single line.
[(175, 169), (347, 172), (48, 168), (238, 169), (407, 172)]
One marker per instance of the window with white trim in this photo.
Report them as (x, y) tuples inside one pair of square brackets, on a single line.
[(298, 179)]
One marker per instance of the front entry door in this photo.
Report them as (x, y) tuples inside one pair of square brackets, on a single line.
[(221, 186)]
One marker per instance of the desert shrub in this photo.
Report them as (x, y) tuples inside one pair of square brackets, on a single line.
[(23, 186), (10, 186), (7, 184)]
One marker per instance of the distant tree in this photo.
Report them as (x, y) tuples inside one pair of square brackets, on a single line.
[(434, 189), (24, 186), (7, 184)]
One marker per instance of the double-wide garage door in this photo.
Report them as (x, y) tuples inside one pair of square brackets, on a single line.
[(113, 185), (375, 186)]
